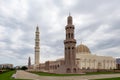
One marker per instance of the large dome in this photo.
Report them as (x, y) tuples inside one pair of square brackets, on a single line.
[(83, 49)]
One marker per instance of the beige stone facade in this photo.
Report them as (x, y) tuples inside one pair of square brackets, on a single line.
[(76, 59), (51, 66), (85, 60)]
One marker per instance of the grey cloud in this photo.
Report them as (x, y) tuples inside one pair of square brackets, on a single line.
[(46, 14), (93, 6), (105, 44)]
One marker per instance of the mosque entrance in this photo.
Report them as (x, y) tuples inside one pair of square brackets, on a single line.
[(74, 70), (68, 70)]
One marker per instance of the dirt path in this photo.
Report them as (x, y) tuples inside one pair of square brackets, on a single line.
[(26, 75)]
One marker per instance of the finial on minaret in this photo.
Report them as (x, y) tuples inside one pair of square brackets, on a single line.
[(69, 20), (69, 14), (37, 28)]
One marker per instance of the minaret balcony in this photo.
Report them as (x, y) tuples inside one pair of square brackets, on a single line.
[(69, 27), (37, 39), (70, 41), (37, 47)]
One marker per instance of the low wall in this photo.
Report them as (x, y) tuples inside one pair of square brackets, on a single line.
[(116, 70), (96, 70)]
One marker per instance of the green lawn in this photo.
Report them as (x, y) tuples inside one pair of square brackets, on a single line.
[(118, 78), (52, 74), (7, 75)]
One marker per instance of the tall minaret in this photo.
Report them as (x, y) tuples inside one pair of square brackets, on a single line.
[(37, 47), (29, 63), (69, 50), (70, 44)]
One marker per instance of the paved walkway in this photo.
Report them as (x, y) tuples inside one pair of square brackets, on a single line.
[(26, 75)]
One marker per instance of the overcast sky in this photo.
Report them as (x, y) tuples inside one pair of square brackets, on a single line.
[(97, 25)]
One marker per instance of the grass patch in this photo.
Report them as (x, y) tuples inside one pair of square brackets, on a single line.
[(95, 73), (90, 73), (117, 78), (7, 75), (52, 74)]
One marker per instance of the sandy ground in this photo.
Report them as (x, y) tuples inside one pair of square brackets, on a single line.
[(26, 75)]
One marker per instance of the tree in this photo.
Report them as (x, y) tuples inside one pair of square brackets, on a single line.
[(24, 68)]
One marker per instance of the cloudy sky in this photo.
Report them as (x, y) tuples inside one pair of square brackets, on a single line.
[(97, 25)]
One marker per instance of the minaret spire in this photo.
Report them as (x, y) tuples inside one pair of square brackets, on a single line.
[(37, 28), (37, 47), (69, 13), (69, 19), (29, 63)]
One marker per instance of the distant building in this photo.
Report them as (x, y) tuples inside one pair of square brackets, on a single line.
[(118, 63), (6, 66), (17, 67)]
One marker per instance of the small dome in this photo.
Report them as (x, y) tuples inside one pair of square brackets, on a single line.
[(82, 49)]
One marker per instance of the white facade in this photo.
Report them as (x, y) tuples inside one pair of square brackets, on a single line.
[(90, 61), (37, 49)]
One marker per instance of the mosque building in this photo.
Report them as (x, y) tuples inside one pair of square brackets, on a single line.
[(86, 60), (77, 59)]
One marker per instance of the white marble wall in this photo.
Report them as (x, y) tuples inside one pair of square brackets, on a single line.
[(88, 61)]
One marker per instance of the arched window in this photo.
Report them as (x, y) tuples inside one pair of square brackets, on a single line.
[(58, 65), (55, 66), (68, 70), (65, 48), (68, 48), (74, 70), (72, 47), (69, 35)]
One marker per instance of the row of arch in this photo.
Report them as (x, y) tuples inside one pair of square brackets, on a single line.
[(69, 70), (69, 27), (68, 48), (53, 67), (69, 36), (69, 55), (94, 60), (94, 64)]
